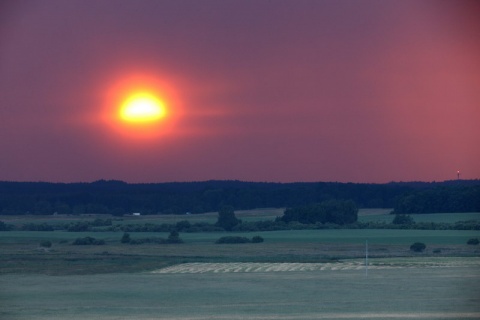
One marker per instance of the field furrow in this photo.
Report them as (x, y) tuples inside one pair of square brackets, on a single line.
[(248, 267)]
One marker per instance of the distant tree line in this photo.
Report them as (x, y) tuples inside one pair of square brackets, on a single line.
[(330, 211), (118, 198), (439, 200)]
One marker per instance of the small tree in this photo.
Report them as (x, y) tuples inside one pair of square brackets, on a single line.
[(45, 244), (125, 238), (4, 226), (473, 241), (174, 237), (418, 247), (226, 218)]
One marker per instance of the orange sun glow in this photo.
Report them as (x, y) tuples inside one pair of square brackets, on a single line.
[(141, 107)]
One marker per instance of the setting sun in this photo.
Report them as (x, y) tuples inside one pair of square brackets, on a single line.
[(142, 108)]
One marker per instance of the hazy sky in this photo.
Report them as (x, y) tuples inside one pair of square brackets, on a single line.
[(281, 91)]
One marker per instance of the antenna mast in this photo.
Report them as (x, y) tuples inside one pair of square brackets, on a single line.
[(366, 258)]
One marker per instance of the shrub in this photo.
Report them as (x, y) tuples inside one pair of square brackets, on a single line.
[(80, 226), (467, 225), (473, 241), (4, 226), (257, 239), (101, 223), (36, 227), (237, 239), (88, 241), (125, 238), (45, 244), (418, 247), (174, 237)]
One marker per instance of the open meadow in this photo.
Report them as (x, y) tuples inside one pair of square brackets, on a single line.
[(293, 274), (414, 288)]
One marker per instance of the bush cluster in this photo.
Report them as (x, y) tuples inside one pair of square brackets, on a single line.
[(238, 239), (78, 226), (403, 219), (88, 241), (5, 227), (473, 241), (36, 227), (173, 237), (459, 225), (400, 222), (45, 244), (418, 247)]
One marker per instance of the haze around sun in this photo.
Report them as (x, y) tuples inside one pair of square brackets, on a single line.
[(280, 91), (142, 108)]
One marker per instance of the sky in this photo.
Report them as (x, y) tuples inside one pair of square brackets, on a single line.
[(365, 91)]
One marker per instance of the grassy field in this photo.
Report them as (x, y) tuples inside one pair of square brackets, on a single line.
[(341, 236), (20, 251), (295, 274), (439, 289)]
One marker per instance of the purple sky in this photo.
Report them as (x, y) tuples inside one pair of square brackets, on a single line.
[(281, 91)]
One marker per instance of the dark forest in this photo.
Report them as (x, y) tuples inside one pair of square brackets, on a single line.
[(118, 198)]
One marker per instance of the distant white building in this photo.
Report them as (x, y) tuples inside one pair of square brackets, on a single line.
[(136, 214)]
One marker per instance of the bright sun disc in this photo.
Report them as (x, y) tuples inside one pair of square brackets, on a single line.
[(142, 108)]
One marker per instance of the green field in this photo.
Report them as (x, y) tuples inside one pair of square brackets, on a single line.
[(338, 236), (438, 290), (294, 274), (20, 251)]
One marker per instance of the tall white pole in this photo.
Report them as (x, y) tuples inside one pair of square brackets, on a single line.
[(366, 258)]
